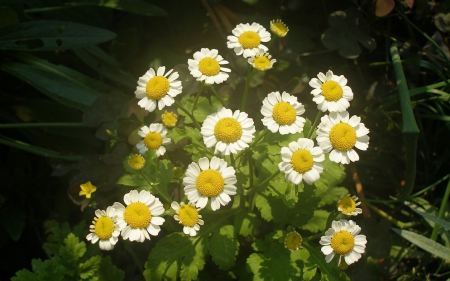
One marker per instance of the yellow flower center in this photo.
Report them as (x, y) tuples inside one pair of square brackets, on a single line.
[(136, 162), (104, 228), (153, 140), (209, 66), (342, 136), (262, 63), (249, 39), (157, 87), (284, 113), (342, 242), (137, 215), (347, 204), (210, 183), (332, 91), (228, 130), (169, 119), (188, 215), (279, 28), (302, 161), (293, 241)]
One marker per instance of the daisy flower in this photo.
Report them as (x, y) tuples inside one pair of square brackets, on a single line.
[(87, 189), (348, 205), (140, 218), (188, 216), (246, 39), (300, 161), (339, 134), (157, 88), (293, 241), (136, 162), (261, 61), (343, 239), (154, 138), (210, 180), (330, 92), (282, 113), (105, 229), (169, 119), (278, 28), (206, 66)]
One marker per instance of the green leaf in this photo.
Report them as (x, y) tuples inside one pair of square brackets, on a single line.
[(73, 249), (441, 222), (177, 134), (44, 35), (13, 221), (223, 246), (328, 195), (246, 224), (109, 272), (132, 180), (424, 243), (165, 175), (318, 222), (90, 267), (202, 110), (8, 16), (329, 270), (56, 238)]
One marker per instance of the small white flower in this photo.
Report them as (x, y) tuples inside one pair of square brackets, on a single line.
[(104, 228), (301, 161), (141, 217), (188, 216), (246, 39), (282, 113), (330, 92), (343, 239), (340, 134), (157, 89), (261, 61), (154, 138), (207, 66), (348, 205)]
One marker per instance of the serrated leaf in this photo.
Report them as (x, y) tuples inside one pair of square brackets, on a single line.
[(90, 267), (73, 250), (318, 222), (56, 238), (329, 270), (246, 224), (202, 109), (109, 272), (223, 246), (328, 195), (177, 134), (270, 207)]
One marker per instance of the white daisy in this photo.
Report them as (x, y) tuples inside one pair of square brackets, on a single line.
[(206, 66), (348, 205), (282, 113), (339, 134), (140, 218), (343, 239), (154, 138), (210, 180), (188, 216), (246, 39), (104, 228), (261, 61), (330, 92), (157, 88), (301, 161)]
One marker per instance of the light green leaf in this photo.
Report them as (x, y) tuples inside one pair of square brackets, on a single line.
[(177, 134), (328, 195), (223, 246), (73, 249), (132, 180), (202, 110), (318, 222), (90, 267), (441, 222), (424, 243), (246, 224)]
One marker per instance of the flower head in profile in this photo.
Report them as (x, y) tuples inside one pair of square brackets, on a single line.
[(154, 138), (188, 216), (343, 239), (282, 113), (87, 189), (246, 39), (339, 134), (141, 216), (301, 161), (330, 92), (169, 119), (278, 28), (261, 61), (105, 229), (136, 162), (229, 132), (207, 66), (347, 205), (157, 89), (210, 180)]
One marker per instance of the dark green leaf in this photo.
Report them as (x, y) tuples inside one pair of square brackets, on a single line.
[(223, 246)]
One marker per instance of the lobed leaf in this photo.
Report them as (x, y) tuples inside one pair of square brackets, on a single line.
[(223, 246)]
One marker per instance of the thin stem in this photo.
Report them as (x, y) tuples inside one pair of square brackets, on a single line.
[(247, 84), (444, 201), (253, 143), (233, 162), (392, 220), (163, 195), (250, 167), (181, 107), (32, 125), (130, 250), (197, 96), (314, 125), (217, 95), (262, 185)]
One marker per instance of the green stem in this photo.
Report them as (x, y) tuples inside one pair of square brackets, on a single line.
[(217, 95), (312, 237), (232, 160), (163, 195), (197, 96), (262, 185), (253, 143), (181, 107), (395, 222), (444, 201), (247, 84), (130, 250), (32, 125), (250, 167), (314, 125)]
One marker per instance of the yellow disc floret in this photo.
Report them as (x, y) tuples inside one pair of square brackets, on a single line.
[(137, 215), (136, 162), (169, 119), (153, 140), (332, 91), (228, 130), (293, 241), (188, 215), (342, 242), (104, 228), (210, 183), (279, 28), (302, 161), (249, 39), (157, 87), (342, 136), (347, 204), (262, 63), (284, 113), (209, 66)]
